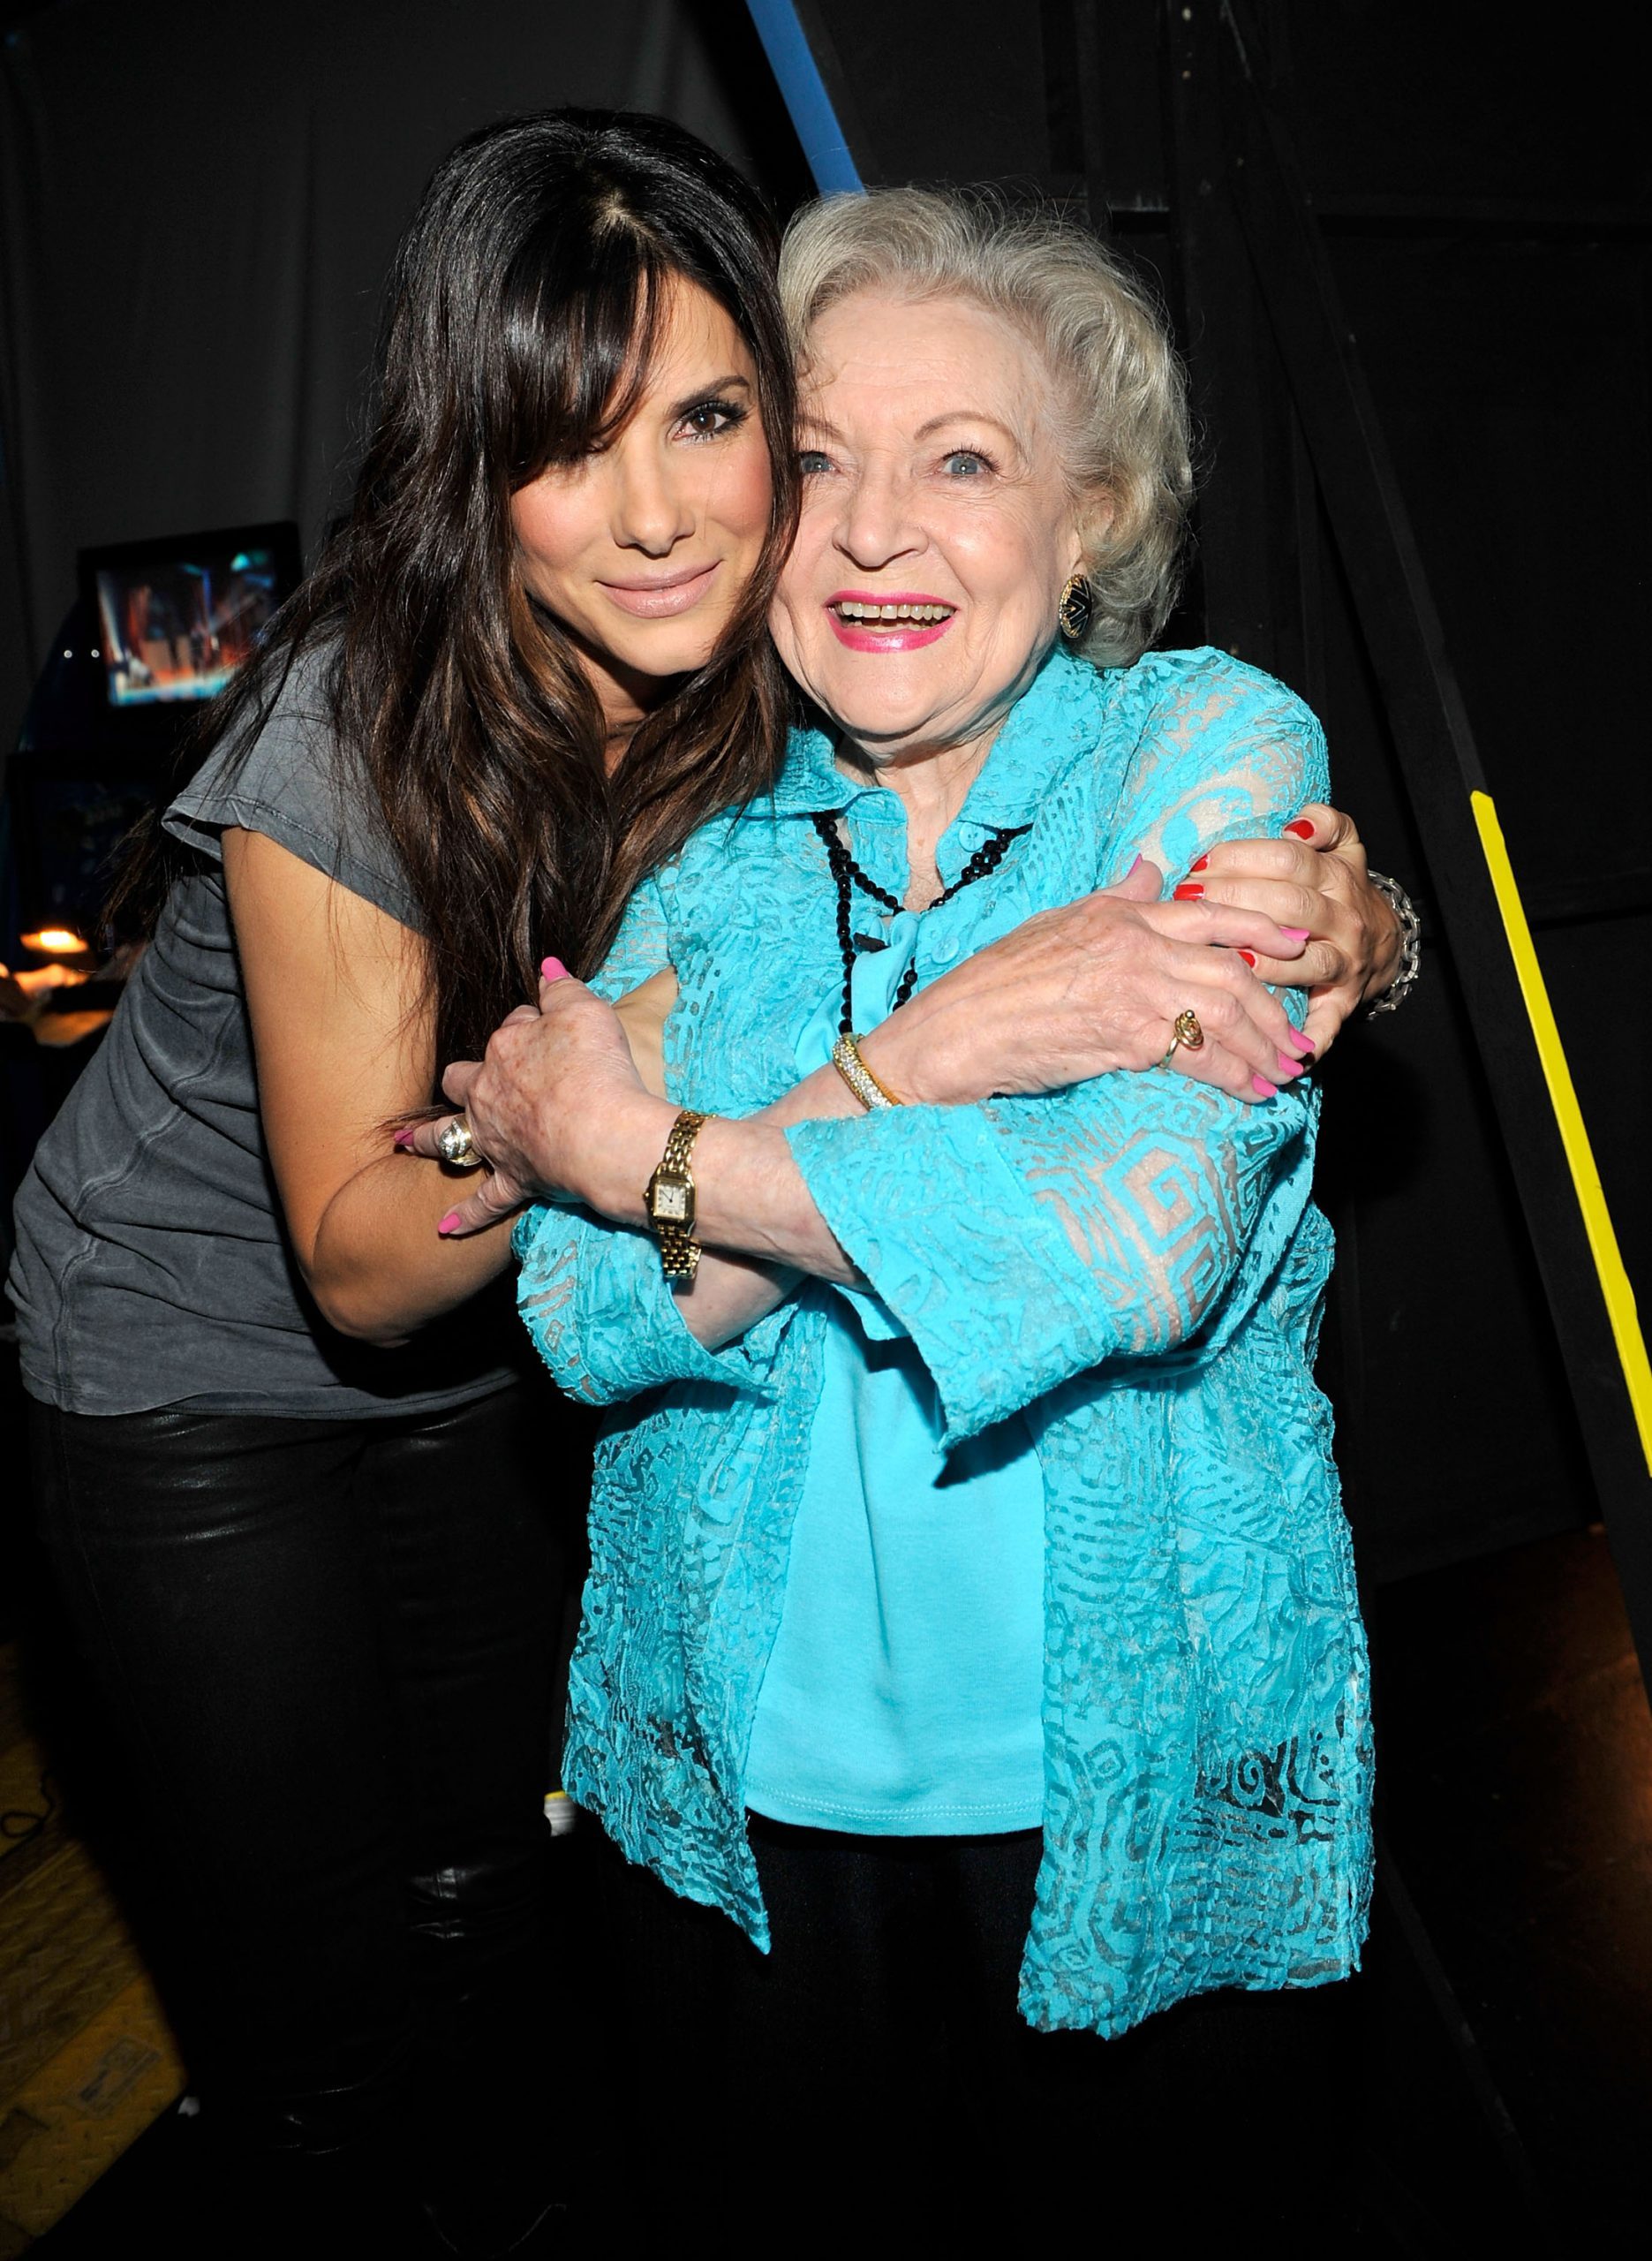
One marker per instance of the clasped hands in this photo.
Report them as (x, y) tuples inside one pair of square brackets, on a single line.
[(1080, 991)]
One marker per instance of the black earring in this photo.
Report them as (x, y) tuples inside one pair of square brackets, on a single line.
[(1073, 611)]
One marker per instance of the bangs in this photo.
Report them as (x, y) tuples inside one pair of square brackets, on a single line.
[(584, 311)]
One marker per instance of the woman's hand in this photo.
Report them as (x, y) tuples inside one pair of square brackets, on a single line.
[(549, 1105), (1095, 986), (1313, 878)]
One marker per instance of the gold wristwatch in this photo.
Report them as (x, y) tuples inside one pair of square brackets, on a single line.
[(669, 1200)]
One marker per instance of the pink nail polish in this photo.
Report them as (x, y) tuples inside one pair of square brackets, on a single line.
[(449, 1223), (1263, 1088), (1304, 1049), (553, 970), (1294, 934), (1136, 867), (1287, 1066), (403, 1140)]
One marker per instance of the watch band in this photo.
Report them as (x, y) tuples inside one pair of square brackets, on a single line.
[(669, 1200)]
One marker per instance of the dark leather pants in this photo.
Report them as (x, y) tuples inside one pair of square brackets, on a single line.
[(328, 1649)]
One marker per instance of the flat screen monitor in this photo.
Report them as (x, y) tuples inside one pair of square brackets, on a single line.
[(176, 617)]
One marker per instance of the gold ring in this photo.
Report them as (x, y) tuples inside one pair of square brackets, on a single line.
[(1183, 1030), (456, 1147)]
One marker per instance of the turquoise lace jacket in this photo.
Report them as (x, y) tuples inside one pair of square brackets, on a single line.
[(1135, 1262)]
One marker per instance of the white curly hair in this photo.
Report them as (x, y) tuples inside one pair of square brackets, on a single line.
[(1124, 436)]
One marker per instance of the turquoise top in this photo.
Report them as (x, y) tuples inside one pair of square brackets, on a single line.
[(1133, 1268), (902, 1694)]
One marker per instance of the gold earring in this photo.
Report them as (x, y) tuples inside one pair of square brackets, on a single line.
[(1075, 609)]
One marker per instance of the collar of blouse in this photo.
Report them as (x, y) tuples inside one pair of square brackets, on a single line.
[(1056, 720)]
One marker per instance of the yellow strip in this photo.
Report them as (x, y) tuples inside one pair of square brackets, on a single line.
[(1615, 1288)]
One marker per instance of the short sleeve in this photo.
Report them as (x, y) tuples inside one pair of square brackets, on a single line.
[(284, 774)]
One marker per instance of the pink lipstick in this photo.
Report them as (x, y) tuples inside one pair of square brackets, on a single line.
[(888, 620)]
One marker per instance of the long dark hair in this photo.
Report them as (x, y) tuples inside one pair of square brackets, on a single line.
[(522, 315)]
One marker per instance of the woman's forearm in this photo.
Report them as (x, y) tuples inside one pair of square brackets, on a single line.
[(760, 1231), (376, 1265), (730, 1293), (343, 1034), (749, 1196)]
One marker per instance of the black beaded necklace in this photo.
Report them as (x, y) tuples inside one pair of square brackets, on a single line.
[(848, 875)]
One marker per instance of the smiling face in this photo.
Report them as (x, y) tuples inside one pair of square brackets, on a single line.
[(643, 550), (938, 531)]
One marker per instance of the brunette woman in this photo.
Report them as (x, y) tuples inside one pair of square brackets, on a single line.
[(310, 1525), (292, 1483)]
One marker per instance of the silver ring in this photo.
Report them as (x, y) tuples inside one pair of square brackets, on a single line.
[(456, 1147)]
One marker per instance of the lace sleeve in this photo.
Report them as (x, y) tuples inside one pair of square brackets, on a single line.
[(1223, 753), (601, 1314), (1024, 1241), (592, 1295)]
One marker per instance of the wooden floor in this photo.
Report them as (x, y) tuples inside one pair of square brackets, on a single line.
[(86, 2063)]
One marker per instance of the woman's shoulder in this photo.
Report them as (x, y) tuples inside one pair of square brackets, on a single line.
[(280, 769), (1217, 750), (1209, 711), (719, 853), (1203, 686), (279, 746)]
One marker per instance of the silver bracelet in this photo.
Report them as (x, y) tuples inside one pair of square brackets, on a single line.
[(1410, 945)]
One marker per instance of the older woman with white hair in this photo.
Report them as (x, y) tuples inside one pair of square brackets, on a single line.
[(969, 1588)]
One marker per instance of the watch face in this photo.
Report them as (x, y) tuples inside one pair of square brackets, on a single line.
[(671, 1201)]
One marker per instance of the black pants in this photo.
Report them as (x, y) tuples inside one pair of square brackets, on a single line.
[(873, 2072), (328, 1649)]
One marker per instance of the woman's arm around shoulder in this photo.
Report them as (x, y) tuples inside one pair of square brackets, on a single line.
[(1028, 1239), (1018, 1242)]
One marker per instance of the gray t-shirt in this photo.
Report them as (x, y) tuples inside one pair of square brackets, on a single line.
[(153, 1267)]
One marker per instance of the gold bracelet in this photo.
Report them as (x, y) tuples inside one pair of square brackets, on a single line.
[(669, 1200), (846, 1058)]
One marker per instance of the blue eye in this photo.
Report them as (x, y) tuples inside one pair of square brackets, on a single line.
[(965, 463), (813, 461)]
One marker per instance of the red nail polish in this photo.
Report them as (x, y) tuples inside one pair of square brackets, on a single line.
[(449, 1222), (1294, 934), (1189, 891), (1200, 865), (553, 970), (1250, 957), (1263, 1088), (1301, 829)]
